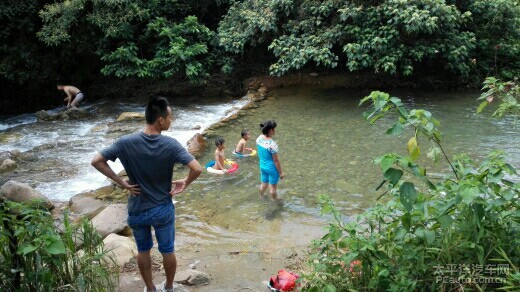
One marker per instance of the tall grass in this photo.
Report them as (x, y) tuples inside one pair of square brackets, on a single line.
[(35, 257)]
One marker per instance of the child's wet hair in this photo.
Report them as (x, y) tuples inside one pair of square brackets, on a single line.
[(244, 133), (219, 141), (267, 125)]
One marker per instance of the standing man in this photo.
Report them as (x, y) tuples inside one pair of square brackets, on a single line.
[(148, 158), (74, 95)]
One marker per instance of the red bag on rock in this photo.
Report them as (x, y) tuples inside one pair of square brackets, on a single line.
[(284, 281)]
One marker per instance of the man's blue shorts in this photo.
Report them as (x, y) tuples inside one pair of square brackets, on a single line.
[(269, 175), (162, 218)]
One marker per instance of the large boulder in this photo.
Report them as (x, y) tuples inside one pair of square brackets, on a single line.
[(197, 145), (85, 204), (130, 116), (121, 249), (123, 128), (111, 220), (7, 165), (112, 193), (20, 192), (68, 114)]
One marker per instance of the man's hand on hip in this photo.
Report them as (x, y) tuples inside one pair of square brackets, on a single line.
[(178, 187), (133, 189)]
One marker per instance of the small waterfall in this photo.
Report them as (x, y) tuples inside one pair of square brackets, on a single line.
[(74, 143)]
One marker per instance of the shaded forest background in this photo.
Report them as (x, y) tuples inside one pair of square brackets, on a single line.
[(120, 47)]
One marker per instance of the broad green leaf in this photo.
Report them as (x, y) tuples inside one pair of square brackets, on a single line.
[(56, 247), (25, 249), (407, 195), (396, 101), (429, 236), (396, 129), (387, 162), (330, 288), (445, 220), (383, 273), (393, 175), (468, 193), (406, 220)]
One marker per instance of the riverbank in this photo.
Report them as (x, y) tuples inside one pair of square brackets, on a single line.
[(217, 85)]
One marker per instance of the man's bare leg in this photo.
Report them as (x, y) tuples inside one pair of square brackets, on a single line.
[(144, 261), (170, 266)]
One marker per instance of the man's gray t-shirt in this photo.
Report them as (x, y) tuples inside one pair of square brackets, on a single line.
[(148, 161)]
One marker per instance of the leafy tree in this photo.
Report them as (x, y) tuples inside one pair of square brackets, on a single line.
[(133, 38), (497, 29), (21, 55), (391, 36)]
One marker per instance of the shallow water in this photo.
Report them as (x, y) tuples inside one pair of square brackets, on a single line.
[(325, 148)]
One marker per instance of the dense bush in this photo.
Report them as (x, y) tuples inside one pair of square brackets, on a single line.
[(162, 38), (458, 234), (392, 36), (35, 257), (132, 38)]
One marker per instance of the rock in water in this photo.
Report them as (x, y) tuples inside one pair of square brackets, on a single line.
[(197, 145), (20, 193)]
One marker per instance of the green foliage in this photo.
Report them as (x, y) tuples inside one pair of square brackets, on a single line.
[(498, 37), (392, 36), (150, 39), (470, 219), (163, 38), (21, 58), (507, 93), (36, 258)]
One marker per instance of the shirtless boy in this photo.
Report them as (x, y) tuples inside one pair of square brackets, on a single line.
[(219, 155), (74, 95), (241, 146)]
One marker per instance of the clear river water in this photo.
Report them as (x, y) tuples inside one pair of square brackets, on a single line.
[(325, 148)]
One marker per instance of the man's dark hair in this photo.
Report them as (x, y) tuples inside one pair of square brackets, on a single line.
[(267, 125), (244, 132), (219, 141), (157, 107)]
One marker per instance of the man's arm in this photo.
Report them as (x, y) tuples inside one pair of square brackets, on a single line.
[(100, 163), (180, 185), (68, 98)]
